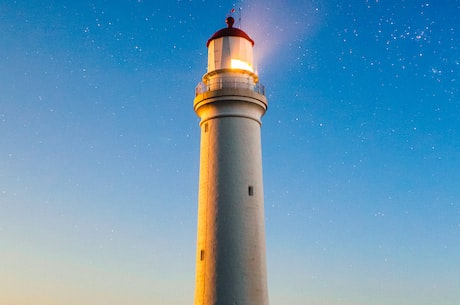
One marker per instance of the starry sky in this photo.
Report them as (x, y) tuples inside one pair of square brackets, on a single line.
[(99, 149)]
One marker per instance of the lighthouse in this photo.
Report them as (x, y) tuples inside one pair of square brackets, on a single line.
[(230, 101)]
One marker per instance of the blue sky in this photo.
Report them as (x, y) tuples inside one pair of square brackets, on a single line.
[(99, 149)]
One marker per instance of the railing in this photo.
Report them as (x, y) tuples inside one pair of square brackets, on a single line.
[(229, 83)]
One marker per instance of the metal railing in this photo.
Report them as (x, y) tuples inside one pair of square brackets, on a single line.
[(229, 83)]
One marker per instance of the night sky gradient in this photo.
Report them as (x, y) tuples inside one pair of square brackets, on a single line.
[(99, 149)]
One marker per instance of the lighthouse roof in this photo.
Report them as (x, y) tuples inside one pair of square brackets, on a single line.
[(230, 31)]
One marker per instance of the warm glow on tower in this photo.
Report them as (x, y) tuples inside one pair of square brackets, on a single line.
[(240, 64)]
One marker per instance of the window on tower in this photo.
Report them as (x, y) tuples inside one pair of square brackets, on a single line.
[(250, 190)]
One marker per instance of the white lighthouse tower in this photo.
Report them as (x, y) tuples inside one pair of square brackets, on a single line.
[(231, 263)]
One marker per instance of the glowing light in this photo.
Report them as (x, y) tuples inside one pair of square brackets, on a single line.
[(239, 64)]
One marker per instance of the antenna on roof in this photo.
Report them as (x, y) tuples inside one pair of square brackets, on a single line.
[(233, 12), (239, 19)]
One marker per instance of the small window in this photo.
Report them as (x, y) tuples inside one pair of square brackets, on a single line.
[(250, 190), (202, 255), (205, 127)]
